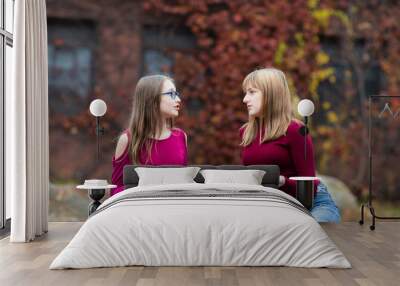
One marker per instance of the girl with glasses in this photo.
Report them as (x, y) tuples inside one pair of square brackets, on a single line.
[(151, 138), (272, 136)]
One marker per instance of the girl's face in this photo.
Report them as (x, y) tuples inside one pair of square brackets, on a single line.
[(253, 100), (170, 101)]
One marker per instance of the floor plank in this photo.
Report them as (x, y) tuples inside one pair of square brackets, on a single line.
[(374, 255)]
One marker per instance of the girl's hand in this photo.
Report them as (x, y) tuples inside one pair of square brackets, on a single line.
[(282, 181)]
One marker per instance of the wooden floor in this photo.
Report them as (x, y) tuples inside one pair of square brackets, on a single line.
[(375, 257)]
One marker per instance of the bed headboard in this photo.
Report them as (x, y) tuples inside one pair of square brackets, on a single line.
[(270, 179)]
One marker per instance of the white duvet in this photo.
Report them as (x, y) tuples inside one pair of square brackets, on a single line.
[(190, 230)]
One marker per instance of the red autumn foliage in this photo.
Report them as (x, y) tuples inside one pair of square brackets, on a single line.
[(235, 37)]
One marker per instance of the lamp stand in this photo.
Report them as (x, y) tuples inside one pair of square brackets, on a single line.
[(99, 131), (304, 131)]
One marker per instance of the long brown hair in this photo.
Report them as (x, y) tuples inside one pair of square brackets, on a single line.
[(146, 121), (276, 107)]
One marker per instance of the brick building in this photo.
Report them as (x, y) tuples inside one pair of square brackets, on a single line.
[(99, 49)]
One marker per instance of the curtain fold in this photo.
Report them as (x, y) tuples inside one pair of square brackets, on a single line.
[(28, 158)]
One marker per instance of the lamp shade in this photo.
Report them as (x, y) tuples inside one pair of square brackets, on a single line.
[(98, 107), (305, 107)]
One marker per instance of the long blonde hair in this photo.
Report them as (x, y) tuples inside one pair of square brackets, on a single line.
[(146, 122), (276, 107)]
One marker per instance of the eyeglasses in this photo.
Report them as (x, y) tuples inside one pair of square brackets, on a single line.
[(172, 94)]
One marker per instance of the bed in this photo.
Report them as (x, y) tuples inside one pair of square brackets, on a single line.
[(197, 224)]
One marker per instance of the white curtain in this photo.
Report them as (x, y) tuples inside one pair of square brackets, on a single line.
[(27, 140)]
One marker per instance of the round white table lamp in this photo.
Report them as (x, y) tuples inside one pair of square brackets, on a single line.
[(305, 109), (98, 108)]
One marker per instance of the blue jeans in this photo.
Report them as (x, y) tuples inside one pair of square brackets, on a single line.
[(325, 209)]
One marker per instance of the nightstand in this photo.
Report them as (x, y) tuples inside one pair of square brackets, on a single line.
[(96, 190), (305, 190)]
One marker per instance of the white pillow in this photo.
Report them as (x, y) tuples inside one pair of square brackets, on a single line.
[(249, 177), (163, 176)]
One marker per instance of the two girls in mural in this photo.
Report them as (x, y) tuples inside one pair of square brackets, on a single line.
[(271, 135)]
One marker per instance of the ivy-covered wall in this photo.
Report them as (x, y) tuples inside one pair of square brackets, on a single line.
[(336, 53)]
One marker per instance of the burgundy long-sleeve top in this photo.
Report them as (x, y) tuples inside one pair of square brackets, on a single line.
[(169, 151), (287, 152)]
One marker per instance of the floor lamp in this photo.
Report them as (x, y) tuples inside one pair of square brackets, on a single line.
[(305, 184), (98, 108), (96, 192)]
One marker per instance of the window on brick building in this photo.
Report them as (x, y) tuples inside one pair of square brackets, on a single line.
[(159, 44), (374, 80), (71, 47)]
